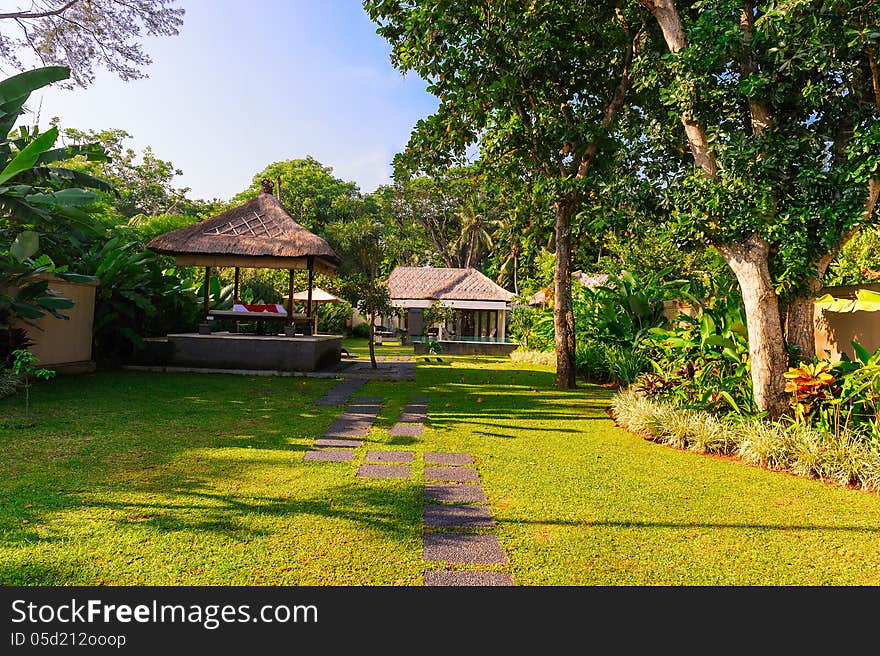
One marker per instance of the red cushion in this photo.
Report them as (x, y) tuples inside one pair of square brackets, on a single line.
[(261, 308)]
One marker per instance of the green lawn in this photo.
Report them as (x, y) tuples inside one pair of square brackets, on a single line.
[(136, 478)]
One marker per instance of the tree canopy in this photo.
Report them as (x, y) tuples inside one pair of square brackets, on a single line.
[(309, 190)]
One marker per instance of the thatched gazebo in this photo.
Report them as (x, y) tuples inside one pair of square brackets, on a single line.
[(259, 234)]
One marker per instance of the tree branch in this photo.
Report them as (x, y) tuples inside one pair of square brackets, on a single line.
[(666, 14), (759, 115), (615, 104), (41, 14)]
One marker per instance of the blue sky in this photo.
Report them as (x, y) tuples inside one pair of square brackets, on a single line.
[(245, 84)]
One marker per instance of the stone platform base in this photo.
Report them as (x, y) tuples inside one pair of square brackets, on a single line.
[(222, 350)]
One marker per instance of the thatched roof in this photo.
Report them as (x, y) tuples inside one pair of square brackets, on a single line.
[(259, 230), (444, 283)]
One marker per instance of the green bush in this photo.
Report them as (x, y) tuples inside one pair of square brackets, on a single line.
[(361, 330), (608, 362), (333, 318), (702, 361), (136, 297)]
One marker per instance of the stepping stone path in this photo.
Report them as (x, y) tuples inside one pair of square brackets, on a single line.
[(470, 548), (341, 393), (383, 470), (446, 515), (411, 421), (456, 508), (457, 474), (342, 435), (456, 516), (459, 578)]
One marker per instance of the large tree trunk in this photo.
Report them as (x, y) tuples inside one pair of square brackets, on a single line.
[(563, 314), (769, 360), (800, 329), (372, 334)]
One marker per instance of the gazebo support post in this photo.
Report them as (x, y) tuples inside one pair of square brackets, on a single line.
[(205, 328), (235, 298), (311, 268), (289, 328)]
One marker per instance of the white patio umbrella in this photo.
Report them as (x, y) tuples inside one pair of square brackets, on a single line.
[(318, 296)]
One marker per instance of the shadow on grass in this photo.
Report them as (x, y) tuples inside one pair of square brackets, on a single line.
[(394, 509)]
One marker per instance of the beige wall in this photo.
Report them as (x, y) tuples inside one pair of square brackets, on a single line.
[(68, 341), (835, 330)]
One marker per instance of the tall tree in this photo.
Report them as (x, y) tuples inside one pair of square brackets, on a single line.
[(538, 86), (144, 183), (780, 106), (309, 190), (454, 212), (83, 34), (358, 235)]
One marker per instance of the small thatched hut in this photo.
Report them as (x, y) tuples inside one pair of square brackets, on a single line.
[(259, 234), (481, 305)]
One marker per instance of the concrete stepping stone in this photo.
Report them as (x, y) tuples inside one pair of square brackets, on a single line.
[(330, 401), (384, 471), (458, 474), (462, 578), (341, 442), (340, 393), (330, 455), (437, 458), (412, 418), (347, 431), (389, 456), (455, 493), (406, 430), (361, 411), (470, 548), (458, 516)]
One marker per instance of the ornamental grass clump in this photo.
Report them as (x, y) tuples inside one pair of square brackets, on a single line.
[(666, 424), (844, 458)]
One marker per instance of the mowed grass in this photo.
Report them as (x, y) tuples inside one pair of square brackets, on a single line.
[(136, 478)]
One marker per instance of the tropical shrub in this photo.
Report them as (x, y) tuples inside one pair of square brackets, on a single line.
[(702, 362), (838, 398), (333, 318), (625, 309), (608, 362), (136, 297), (522, 327), (360, 331)]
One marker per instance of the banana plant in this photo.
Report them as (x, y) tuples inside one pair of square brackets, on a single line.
[(37, 198), (865, 301), (135, 291), (35, 193)]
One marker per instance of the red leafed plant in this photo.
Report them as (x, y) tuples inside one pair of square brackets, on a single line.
[(810, 385)]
